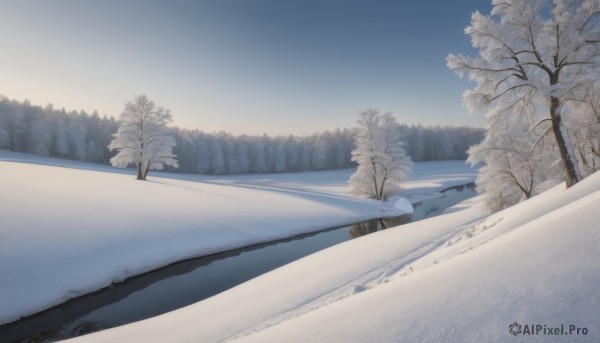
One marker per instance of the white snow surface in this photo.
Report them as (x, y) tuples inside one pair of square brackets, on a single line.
[(69, 228), (458, 277)]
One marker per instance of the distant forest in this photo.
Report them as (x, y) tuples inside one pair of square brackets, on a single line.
[(80, 136)]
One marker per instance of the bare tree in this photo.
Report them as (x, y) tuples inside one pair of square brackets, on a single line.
[(143, 138), (535, 56)]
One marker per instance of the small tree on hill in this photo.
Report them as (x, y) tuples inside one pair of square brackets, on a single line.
[(382, 162), (143, 138)]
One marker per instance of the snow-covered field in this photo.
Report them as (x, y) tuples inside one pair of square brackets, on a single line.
[(70, 228), (459, 277)]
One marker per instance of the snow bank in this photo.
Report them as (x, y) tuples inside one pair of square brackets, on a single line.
[(545, 272), (453, 278), (70, 228), (401, 204)]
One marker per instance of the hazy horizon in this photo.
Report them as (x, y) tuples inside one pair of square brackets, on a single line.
[(274, 67)]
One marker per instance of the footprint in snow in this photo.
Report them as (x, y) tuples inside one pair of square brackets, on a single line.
[(357, 289)]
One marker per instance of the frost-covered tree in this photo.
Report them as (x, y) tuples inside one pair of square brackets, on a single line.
[(535, 57), (304, 156), (291, 153), (517, 166), (217, 160), (61, 140), (382, 162), (586, 124), (229, 154), (76, 133), (93, 152), (203, 163), (242, 156), (259, 160), (4, 141), (319, 154), (143, 138), (279, 158), (39, 138)]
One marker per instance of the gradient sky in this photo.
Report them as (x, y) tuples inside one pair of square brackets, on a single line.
[(242, 66)]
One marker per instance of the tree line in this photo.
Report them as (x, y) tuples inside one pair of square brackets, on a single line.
[(47, 131)]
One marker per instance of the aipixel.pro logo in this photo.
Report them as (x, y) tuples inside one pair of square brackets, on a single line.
[(516, 329)]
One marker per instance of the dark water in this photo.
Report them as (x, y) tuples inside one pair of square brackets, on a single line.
[(190, 281)]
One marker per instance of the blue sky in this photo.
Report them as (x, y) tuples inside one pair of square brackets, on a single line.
[(243, 66)]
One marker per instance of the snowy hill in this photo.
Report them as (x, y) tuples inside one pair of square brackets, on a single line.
[(463, 276), (70, 228)]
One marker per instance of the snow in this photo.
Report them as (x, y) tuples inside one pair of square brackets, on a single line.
[(69, 228), (401, 204), (462, 276)]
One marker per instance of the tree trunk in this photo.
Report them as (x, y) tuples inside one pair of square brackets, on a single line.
[(146, 171), (375, 186), (140, 175), (567, 154), (383, 181)]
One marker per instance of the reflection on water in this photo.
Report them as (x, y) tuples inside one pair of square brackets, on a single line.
[(375, 225), (424, 209), (165, 289), (190, 281)]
